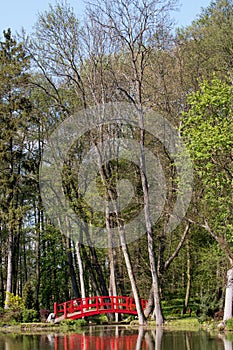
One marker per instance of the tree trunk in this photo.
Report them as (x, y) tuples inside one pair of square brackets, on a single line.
[(9, 269), (123, 244), (81, 271), (112, 278), (71, 268), (39, 226), (150, 304), (98, 268), (88, 266), (151, 252), (141, 317), (228, 296), (188, 287)]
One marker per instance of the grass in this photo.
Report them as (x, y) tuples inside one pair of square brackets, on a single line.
[(184, 323)]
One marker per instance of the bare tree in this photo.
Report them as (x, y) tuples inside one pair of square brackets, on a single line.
[(132, 26)]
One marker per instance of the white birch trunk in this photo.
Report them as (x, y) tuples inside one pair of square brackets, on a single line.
[(151, 251), (141, 317), (112, 281), (228, 296), (9, 270), (81, 271)]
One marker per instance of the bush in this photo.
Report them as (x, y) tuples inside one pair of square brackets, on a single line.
[(15, 302), (17, 312), (44, 313), (206, 307), (73, 324), (11, 316), (81, 323), (229, 324), (29, 315), (28, 296)]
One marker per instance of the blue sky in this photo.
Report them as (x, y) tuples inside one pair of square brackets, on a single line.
[(23, 13)]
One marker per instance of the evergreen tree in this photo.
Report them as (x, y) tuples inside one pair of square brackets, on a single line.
[(15, 110)]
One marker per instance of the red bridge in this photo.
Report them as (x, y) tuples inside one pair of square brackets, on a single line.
[(79, 308)]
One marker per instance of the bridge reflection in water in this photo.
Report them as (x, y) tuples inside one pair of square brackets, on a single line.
[(87, 342)]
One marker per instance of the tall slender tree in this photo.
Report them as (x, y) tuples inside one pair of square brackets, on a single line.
[(15, 108)]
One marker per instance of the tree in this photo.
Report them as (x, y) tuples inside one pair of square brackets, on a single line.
[(206, 45), (15, 108), (137, 32), (207, 128), (109, 60)]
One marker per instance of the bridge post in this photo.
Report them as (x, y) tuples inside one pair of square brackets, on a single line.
[(55, 308), (71, 307), (101, 302), (97, 303), (129, 303), (65, 310), (112, 302)]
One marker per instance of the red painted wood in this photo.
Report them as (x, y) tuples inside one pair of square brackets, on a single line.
[(78, 308), (92, 342)]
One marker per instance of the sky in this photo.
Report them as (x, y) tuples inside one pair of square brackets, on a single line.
[(16, 14)]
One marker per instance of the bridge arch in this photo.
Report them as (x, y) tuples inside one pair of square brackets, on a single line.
[(85, 307)]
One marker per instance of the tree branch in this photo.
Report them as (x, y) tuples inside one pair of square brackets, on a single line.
[(176, 252)]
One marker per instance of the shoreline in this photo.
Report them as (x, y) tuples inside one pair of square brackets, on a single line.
[(191, 324)]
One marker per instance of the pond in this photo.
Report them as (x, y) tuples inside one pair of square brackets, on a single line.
[(116, 338)]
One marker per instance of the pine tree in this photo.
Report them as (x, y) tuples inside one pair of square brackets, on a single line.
[(15, 109)]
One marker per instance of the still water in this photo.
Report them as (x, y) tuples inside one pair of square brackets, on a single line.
[(116, 338)]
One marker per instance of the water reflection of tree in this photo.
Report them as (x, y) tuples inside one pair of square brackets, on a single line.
[(228, 345), (141, 333), (187, 341), (154, 339)]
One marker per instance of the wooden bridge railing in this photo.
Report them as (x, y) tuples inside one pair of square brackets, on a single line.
[(81, 307)]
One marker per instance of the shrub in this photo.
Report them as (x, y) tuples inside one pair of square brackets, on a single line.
[(15, 302), (29, 315), (229, 324), (11, 316), (28, 297), (73, 324), (44, 313), (17, 312)]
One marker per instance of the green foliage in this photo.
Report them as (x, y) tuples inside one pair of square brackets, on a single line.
[(229, 325), (12, 316), (73, 324), (17, 312), (208, 122), (207, 43), (28, 296), (27, 114), (15, 108), (54, 268), (29, 315), (15, 302), (206, 307), (207, 129)]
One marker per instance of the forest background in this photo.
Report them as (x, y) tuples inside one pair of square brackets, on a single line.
[(122, 52)]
